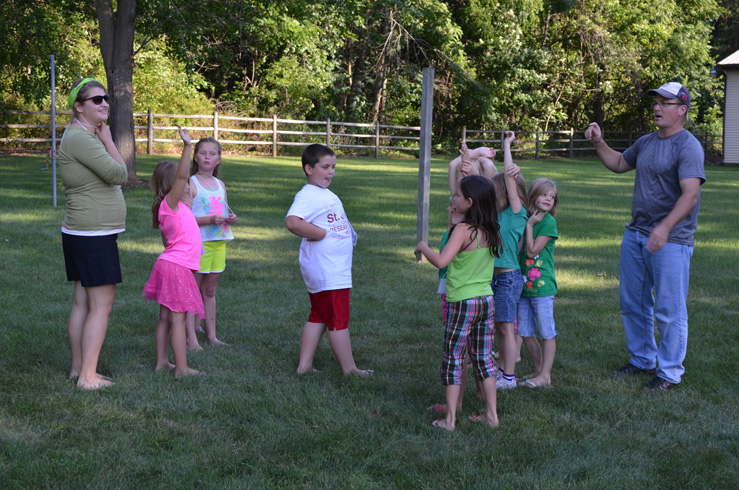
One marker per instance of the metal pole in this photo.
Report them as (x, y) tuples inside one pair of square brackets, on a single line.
[(53, 132), (424, 158)]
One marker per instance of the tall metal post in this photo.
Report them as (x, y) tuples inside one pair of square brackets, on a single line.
[(424, 158), (53, 132)]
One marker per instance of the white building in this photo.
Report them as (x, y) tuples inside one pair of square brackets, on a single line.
[(730, 67)]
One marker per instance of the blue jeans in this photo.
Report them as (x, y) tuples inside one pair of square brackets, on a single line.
[(667, 273), (507, 287)]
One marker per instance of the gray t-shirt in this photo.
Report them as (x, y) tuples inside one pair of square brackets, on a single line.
[(661, 163)]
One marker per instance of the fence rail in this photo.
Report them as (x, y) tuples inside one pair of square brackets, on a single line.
[(271, 133), (572, 142), (151, 129)]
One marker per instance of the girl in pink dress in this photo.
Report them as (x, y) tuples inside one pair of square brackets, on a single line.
[(171, 283)]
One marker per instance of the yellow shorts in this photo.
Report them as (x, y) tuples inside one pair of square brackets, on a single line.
[(214, 258)]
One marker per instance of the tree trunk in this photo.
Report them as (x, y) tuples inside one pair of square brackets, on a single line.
[(598, 97), (378, 90), (116, 46)]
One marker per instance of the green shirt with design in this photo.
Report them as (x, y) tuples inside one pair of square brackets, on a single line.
[(539, 271)]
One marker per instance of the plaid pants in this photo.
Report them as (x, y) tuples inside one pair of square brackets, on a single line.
[(469, 322)]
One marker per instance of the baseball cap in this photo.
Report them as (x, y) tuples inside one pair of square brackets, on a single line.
[(673, 90)]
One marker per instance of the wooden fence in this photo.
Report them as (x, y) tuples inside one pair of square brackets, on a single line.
[(572, 143), (152, 129), (267, 134)]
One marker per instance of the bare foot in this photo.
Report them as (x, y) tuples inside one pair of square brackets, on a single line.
[(196, 347), (441, 424), (164, 367), (73, 375), (477, 419), (215, 341), (538, 382), (188, 372), (307, 371), (95, 385), (362, 373)]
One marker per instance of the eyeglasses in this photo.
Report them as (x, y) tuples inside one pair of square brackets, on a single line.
[(664, 104), (98, 99)]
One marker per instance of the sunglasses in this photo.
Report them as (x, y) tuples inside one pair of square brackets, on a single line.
[(98, 99)]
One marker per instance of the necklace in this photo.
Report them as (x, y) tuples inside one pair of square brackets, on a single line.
[(212, 185), (84, 126)]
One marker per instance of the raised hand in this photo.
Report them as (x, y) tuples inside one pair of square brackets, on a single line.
[(510, 137), (183, 134), (464, 152), (512, 170), (484, 152), (593, 133)]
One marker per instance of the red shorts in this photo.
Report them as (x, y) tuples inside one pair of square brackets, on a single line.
[(330, 307)]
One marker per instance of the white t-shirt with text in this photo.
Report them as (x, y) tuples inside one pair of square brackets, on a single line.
[(325, 264)]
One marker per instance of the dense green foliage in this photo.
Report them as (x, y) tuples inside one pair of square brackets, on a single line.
[(252, 423), (520, 64)]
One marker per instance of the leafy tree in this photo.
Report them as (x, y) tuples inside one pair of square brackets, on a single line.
[(162, 84), (31, 31), (725, 37)]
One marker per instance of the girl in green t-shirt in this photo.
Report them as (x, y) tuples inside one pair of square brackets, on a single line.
[(536, 308)]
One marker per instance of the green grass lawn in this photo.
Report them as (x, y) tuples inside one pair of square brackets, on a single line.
[(251, 422)]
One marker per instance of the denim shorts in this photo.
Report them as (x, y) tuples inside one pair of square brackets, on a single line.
[(507, 287), (536, 314)]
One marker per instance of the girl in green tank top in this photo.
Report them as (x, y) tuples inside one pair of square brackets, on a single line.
[(470, 254)]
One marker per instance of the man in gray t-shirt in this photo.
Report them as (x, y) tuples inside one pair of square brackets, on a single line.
[(658, 241)]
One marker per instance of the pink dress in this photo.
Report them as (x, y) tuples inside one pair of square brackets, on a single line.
[(172, 283)]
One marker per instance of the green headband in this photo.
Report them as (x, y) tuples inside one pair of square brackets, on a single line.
[(75, 90)]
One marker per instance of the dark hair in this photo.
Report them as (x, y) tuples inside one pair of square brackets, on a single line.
[(313, 154), (483, 214), (194, 168), (162, 181)]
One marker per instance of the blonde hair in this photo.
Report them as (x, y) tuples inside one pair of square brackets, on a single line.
[(538, 188), (501, 190)]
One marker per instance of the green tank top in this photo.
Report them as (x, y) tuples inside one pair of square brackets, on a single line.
[(469, 274)]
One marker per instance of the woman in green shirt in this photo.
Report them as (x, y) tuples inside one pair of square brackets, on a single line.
[(92, 172)]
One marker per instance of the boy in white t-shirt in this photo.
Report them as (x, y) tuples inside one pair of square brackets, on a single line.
[(325, 259)]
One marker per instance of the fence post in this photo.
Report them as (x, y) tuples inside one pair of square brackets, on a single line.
[(464, 134), (215, 124), (377, 139), (537, 144), (328, 131), (150, 133), (502, 136), (572, 137)]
